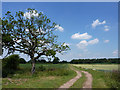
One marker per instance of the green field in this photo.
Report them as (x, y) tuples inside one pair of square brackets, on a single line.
[(98, 66), (100, 79), (55, 75), (47, 76)]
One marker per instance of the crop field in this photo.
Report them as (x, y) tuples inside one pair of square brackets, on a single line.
[(98, 66)]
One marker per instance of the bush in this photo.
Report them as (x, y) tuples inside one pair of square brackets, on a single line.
[(10, 65)]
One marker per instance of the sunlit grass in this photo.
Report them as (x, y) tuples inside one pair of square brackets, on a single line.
[(98, 66), (53, 76)]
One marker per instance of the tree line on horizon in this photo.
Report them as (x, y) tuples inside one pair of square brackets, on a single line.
[(96, 61), (56, 60)]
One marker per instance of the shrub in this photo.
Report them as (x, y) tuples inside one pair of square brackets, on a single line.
[(10, 65)]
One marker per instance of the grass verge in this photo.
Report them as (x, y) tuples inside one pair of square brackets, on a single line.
[(98, 78)]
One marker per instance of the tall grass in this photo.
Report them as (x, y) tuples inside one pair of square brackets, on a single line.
[(43, 70), (113, 79)]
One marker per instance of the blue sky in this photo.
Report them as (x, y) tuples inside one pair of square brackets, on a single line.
[(90, 29)]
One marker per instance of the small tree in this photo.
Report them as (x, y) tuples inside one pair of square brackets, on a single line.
[(56, 60), (30, 33)]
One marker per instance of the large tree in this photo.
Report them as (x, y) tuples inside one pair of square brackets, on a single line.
[(30, 33)]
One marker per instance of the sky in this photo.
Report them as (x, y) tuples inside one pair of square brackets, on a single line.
[(90, 29)]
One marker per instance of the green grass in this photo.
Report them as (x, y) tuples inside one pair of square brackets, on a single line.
[(100, 79), (79, 83), (98, 66), (0, 83), (53, 76)]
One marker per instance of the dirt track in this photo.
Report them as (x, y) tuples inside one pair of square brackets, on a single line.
[(72, 81), (87, 83)]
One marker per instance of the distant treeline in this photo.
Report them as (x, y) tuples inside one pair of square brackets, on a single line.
[(52, 62), (56, 60), (83, 61), (96, 61)]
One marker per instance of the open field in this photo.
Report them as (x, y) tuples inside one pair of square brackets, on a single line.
[(98, 66), (57, 74), (100, 79)]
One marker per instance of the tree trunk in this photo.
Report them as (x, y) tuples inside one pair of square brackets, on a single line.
[(33, 66)]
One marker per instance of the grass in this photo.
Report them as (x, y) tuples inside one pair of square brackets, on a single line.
[(79, 83), (98, 66), (98, 78), (51, 76), (101, 79), (55, 75), (113, 79)]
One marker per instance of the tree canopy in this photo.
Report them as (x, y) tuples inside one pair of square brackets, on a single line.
[(30, 33)]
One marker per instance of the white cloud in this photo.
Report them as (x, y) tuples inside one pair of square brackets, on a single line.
[(106, 41), (61, 29), (115, 53), (81, 36), (97, 22), (95, 41), (29, 15), (83, 44), (106, 28)]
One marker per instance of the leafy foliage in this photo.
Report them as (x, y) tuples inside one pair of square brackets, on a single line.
[(10, 65), (30, 34)]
